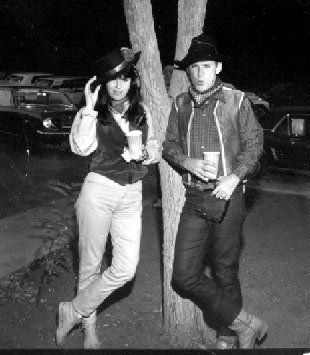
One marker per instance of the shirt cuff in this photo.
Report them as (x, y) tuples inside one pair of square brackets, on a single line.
[(240, 172), (85, 111)]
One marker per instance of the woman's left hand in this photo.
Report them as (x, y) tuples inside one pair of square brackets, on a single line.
[(144, 155)]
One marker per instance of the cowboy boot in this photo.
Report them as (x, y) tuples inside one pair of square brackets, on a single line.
[(91, 340), (67, 319), (225, 342), (249, 329)]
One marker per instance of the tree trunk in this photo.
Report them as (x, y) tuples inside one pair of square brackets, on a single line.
[(183, 321), (191, 16), (142, 35)]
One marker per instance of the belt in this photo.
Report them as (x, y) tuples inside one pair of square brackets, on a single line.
[(201, 185)]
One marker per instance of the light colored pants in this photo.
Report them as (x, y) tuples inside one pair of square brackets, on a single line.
[(104, 206)]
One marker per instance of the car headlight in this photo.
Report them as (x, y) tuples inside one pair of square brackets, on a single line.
[(47, 123)]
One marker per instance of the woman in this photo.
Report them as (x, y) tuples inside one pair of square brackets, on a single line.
[(110, 200)]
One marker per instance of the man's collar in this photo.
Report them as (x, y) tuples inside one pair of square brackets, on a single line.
[(219, 95)]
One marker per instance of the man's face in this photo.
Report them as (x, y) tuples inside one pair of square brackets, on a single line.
[(203, 74)]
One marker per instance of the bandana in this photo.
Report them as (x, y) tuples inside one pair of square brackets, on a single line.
[(200, 98), (118, 106)]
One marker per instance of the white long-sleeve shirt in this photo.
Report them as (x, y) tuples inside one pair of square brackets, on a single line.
[(83, 137)]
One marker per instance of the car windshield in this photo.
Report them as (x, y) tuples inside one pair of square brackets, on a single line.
[(27, 98), (13, 78), (74, 83), (44, 83), (296, 126), (282, 128), (267, 120), (59, 99)]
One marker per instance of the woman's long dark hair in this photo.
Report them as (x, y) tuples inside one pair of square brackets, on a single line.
[(135, 113)]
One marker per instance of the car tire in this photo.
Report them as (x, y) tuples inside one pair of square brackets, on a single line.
[(261, 168)]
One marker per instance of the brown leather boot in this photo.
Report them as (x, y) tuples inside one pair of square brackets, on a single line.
[(67, 319), (225, 342), (91, 340), (249, 329)]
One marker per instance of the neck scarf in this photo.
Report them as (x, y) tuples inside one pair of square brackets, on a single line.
[(200, 98), (118, 106)]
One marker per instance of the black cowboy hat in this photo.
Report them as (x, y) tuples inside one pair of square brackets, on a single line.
[(114, 64), (203, 47)]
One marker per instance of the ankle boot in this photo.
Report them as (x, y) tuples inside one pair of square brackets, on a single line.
[(224, 342), (67, 319), (249, 329), (91, 340)]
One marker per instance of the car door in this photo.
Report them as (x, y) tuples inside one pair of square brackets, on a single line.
[(12, 134), (14, 153), (300, 142), (279, 143)]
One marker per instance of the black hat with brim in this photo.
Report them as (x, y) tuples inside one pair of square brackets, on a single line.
[(202, 48), (115, 63)]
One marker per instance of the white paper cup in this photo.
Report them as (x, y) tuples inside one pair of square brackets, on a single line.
[(214, 158), (134, 140)]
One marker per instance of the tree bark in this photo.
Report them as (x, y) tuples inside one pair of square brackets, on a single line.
[(183, 321), (142, 35), (191, 16)]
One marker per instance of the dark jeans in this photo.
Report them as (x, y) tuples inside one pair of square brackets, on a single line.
[(200, 242)]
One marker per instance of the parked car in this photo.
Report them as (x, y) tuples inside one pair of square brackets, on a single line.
[(22, 78), (291, 93), (260, 106), (256, 100), (34, 117), (57, 82), (286, 140), (73, 86)]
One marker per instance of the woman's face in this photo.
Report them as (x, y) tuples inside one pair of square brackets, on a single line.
[(118, 88)]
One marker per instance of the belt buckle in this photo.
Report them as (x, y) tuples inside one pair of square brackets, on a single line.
[(200, 186), (204, 186)]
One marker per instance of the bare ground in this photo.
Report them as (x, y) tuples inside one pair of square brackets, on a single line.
[(274, 273)]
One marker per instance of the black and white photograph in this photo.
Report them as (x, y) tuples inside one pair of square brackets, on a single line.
[(155, 176)]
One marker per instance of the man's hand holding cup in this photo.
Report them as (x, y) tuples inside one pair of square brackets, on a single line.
[(211, 164)]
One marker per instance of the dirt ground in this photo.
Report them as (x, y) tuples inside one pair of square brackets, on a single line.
[(275, 273), (131, 318)]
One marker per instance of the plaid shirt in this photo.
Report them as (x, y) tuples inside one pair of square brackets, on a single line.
[(203, 132)]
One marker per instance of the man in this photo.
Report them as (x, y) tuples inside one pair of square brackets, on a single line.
[(212, 117)]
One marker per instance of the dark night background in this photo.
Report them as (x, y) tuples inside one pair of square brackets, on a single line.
[(264, 42)]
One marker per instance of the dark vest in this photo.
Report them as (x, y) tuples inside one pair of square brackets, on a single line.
[(226, 118), (107, 159)]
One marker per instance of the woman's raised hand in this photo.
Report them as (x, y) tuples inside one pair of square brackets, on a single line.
[(91, 97)]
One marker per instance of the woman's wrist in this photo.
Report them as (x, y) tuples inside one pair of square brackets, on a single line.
[(89, 107), (88, 111)]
